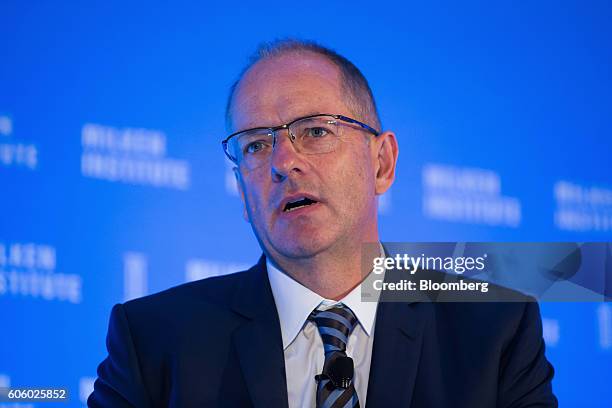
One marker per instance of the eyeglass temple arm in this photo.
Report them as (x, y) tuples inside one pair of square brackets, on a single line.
[(361, 124)]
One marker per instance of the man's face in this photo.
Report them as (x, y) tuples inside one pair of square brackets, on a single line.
[(341, 182)]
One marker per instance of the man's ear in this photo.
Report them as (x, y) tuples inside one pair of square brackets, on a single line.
[(385, 161), (245, 214)]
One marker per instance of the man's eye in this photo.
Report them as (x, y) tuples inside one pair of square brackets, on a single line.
[(317, 132), (255, 147)]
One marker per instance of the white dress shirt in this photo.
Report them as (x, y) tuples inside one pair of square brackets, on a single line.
[(302, 344)]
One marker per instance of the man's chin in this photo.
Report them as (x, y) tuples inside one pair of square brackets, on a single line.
[(300, 246)]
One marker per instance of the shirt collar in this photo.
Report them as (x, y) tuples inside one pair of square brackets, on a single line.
[(295, 302)]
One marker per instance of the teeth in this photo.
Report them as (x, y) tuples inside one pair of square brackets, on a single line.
[(302, 202), (295, 208)]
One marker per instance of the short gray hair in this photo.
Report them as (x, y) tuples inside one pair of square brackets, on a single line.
[(359, 97)]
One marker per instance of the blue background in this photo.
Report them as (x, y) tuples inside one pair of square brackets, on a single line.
[(519, 89)]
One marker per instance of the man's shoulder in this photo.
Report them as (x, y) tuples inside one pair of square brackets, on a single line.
[(498, 316), (496, 302), (203, 299), (216, 289), (463, 309)]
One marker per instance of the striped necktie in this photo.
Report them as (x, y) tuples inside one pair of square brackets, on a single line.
[(335, 387)]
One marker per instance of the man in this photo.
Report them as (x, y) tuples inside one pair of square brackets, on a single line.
[(292, 331)]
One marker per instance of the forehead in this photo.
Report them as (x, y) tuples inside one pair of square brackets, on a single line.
[(279, 89)]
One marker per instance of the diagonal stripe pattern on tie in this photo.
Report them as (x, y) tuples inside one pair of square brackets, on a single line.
[(335, 325)]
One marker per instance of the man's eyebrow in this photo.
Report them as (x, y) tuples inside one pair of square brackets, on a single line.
[(317, 112)]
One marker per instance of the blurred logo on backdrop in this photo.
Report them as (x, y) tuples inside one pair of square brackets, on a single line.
[(469, 195), (135, 266), (582, 208), (15, 153), (551, 331), (385, 203), (28, 270), (86, 387), (231, 186), (604, 318), (131, 156)]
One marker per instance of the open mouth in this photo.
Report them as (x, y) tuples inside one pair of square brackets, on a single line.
[(300, 203)]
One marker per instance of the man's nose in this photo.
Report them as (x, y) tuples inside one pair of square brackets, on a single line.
[(285, 159)]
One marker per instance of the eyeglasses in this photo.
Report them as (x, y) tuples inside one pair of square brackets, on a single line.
[(313, 134)]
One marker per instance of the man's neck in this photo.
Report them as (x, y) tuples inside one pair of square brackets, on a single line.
[(332, 273)]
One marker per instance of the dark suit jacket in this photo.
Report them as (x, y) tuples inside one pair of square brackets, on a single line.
[(217, 343)]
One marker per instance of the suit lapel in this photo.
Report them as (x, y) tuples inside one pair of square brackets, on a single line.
[(398, 337), (258, 342)]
